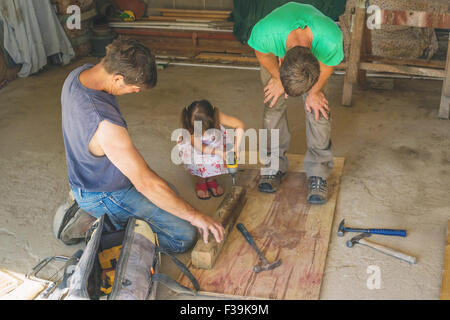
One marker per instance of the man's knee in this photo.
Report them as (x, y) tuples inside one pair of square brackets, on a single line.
[(185, 239)]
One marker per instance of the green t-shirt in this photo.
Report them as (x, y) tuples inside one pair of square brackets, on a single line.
[(269, 35)]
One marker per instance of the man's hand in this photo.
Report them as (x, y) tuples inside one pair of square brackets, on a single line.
[(273, 91), (316, 101), (206, 224)]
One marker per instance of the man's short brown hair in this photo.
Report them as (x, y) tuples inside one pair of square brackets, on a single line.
[(131, 59), (299, 71)]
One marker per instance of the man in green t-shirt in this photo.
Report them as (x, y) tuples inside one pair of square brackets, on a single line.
[(297, 47)]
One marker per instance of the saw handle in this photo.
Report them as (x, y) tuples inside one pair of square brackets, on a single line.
[(388, 232)]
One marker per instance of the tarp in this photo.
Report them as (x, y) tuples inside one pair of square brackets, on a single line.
[(247, 13), (32, 32)]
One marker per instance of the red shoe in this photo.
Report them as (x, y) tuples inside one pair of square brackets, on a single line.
[(203, 187), (212, 184)]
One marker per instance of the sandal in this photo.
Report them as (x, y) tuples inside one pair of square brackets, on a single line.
[(212, 184), (203, 187)]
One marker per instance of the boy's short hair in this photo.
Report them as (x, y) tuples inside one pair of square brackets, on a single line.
[(131, 59), (299, 71)]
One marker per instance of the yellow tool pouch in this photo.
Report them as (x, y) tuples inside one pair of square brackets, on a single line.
[(122, 265)]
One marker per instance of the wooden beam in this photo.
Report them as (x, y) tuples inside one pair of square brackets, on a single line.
[(193, 11), (351, 76), (415, 71), (175, 19), (421, 19), (437, 64), (176, 34), (226, 57), (445, 288), (444, 108), (204, 255)]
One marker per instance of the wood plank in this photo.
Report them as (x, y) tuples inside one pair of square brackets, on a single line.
[(414, 71), (444, 108), (175, 19), (285, 227), (351, 75), (226, 57), (445, 288), (437, 64), (194, 15), (193, 11), (420, 19)]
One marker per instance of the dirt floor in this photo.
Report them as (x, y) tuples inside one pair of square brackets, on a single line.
[(396, 175)]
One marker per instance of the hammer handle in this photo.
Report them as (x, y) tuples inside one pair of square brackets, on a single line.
[(250, 240), (388, 232), (389, 251)]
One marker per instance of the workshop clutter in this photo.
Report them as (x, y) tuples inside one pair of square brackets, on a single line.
[(80, 37)]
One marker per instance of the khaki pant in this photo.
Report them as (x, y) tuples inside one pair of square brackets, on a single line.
[(319, 156)]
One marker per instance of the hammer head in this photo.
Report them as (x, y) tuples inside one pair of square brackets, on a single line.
[(341, 229), (355, 239), (267, 266)]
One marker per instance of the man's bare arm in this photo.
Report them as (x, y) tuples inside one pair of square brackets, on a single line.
[(274, 88), (316, 100), (325, 74), (118, 147)]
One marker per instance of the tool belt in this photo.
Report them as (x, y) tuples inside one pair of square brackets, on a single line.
[(120, 265)]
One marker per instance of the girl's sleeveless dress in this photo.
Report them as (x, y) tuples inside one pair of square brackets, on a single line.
[(204, 165)]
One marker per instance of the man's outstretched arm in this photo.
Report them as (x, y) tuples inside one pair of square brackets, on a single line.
[(116, 143)]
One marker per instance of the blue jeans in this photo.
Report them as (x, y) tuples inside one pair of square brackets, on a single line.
[(174, 234)]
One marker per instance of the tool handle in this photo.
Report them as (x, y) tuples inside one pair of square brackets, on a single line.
[(389, 232), (389, 251), (249, 238)]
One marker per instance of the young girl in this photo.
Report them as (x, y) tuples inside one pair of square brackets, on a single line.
[(204, 153)]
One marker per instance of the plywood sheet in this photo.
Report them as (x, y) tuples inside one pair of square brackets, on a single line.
[(285, 227), (445, 288)]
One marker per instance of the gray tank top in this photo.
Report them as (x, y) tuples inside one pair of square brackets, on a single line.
[(82, 110)]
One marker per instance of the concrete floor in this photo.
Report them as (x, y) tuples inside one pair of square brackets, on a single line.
[(396, 175)]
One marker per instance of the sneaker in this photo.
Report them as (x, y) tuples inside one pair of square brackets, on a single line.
[(318, 190), (270, 183)]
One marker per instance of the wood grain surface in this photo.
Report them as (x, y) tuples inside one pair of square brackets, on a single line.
[(284, 226)]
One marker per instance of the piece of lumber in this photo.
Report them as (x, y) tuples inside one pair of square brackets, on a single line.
[(204, 255), (351, 75), (284, 226), (176, 19), (193, 11), (8, 282), (414, 71), (445, 288), (437, 64), (28, 290), (225, 57), (444, 108), (421, 19)]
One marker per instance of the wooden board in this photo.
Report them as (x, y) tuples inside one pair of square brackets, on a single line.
[(445, 288), (285, 227)]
